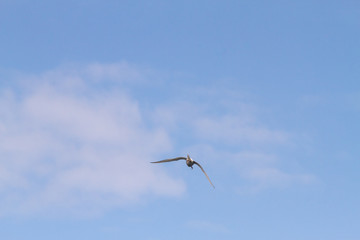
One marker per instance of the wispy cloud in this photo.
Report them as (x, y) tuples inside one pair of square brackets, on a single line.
[(66, 144), (266, 177), (226, 131), (219, 116), (232, 129)]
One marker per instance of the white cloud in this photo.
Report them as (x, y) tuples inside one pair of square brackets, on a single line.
[(66, 144)]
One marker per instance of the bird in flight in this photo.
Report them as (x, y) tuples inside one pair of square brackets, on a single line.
[(189, 162)]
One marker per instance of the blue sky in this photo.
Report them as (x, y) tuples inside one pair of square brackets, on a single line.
[(264, 94)]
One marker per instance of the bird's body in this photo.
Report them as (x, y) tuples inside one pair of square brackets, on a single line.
[(189, 163)]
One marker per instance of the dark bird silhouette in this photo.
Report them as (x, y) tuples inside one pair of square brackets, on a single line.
[(189, 162)]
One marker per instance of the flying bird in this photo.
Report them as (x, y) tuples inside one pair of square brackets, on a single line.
[(189, 162)]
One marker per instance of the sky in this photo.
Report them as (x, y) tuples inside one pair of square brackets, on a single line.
[(265, 95)]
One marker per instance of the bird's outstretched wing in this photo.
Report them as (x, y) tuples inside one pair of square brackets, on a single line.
[(204, 173), (170, 160)]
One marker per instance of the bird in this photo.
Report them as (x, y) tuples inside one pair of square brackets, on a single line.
[(189, 162)]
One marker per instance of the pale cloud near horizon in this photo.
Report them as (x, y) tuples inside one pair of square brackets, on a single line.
[(75, 138)]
